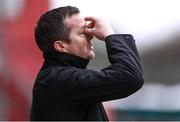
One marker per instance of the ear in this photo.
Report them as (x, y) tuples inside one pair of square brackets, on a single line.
[(60, 46)]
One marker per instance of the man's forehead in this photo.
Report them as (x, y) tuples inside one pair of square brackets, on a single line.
[(75, 21)]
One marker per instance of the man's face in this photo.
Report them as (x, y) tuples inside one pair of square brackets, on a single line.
[(80, 43)]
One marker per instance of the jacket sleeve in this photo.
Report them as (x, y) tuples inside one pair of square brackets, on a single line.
[(122, 78)]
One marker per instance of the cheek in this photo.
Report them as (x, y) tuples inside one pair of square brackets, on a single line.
[(78, 46), (80, 43), (82, 47)]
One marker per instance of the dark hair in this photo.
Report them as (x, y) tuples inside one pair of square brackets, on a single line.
[(51, 27)]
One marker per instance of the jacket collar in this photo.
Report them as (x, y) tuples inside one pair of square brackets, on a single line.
[(64, 59)]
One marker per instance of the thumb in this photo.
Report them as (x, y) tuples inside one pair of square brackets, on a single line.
[(89, 31)]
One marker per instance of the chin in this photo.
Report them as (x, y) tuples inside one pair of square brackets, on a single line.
[(91, 55)]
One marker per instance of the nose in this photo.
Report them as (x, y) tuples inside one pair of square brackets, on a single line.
[(89, 37)]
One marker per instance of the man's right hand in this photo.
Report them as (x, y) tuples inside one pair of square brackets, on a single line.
[(98, 28)]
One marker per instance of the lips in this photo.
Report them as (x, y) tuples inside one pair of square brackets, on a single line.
[(90, 46)]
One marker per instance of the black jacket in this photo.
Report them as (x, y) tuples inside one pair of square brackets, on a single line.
[(65, 90)]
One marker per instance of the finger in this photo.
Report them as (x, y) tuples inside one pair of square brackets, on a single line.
[(89, 19), (89, 31), (90, 25), (92, 22)]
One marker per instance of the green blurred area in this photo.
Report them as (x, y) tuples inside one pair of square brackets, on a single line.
[(146, 115)]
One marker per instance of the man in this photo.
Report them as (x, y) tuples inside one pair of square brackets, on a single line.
[(64, 88)]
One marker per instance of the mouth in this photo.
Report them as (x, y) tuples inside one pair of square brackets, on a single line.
[(91, 46)]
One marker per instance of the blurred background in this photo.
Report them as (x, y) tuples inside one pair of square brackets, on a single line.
[(155, 25)]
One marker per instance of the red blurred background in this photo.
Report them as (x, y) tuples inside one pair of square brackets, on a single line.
[(21, 60)]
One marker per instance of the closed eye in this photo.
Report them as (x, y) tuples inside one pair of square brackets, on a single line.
[(81, 34)]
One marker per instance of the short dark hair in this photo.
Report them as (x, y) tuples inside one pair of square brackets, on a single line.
[(51, 27)]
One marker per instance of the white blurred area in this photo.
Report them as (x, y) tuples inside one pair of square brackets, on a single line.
[(155, 25), (151, 97), (147, 20)]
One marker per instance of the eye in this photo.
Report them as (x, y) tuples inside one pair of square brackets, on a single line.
[(81, 34)]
